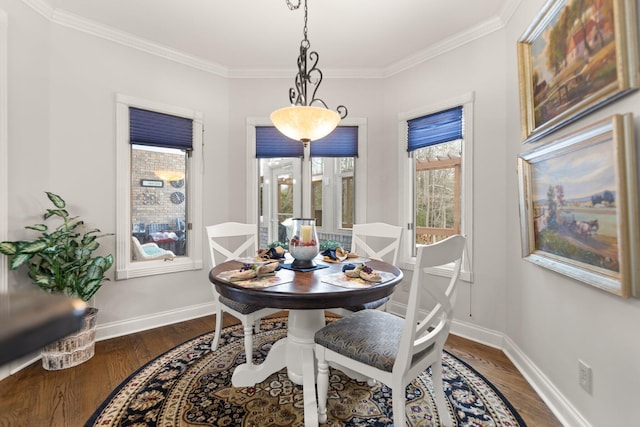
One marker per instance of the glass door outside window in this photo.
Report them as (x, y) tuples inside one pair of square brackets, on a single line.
[(280, 197)]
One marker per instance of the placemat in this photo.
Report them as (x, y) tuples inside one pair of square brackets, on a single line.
[(340, 279), (256, 282)]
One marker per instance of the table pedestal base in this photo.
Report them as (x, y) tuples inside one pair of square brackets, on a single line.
[(288, 352), (296, 352)]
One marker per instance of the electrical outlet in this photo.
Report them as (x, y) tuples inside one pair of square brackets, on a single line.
[(584, 376)]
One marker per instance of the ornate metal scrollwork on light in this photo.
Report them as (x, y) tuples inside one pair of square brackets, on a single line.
[(306, 121)]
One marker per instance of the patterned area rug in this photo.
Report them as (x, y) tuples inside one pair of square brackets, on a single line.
[(191, 386)]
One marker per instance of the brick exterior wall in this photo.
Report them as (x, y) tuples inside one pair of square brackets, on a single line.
[(153, 205)]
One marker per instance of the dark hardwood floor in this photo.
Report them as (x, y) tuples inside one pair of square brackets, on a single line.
[(34, 397)]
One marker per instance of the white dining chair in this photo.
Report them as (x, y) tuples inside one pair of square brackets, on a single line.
[(228, 241), (376, 240), (392, 350)]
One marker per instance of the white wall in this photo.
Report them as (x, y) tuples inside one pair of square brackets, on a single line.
[(556, 320), (28, 61)]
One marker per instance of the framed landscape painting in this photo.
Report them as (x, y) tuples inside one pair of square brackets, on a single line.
[(579, 206), (576, 56)]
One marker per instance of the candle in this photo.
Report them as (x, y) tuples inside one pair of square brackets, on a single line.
[(305, 233)]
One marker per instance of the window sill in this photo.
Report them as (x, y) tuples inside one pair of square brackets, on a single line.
[(444, 271), (150, 268)]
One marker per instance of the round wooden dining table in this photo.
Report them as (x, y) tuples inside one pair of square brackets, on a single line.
[(306, 296)]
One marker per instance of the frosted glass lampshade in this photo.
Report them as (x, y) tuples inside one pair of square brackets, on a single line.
[(305, 123)]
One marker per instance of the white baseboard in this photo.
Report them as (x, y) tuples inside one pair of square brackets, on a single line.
[(156, 320), (130, 326), (4, 372), (566, 413), (478, 334)]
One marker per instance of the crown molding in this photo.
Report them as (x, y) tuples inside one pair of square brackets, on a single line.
[(87, 26), (41, 6), (474, 33), (445, 46), (126, 39), (508, 10)]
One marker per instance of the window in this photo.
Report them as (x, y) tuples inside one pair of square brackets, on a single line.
[(331, 190), (159, 188), (437, 175)]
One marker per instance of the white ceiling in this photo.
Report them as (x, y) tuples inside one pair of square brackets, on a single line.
[(364, 37)]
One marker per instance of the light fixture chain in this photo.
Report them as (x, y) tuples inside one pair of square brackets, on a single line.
[(293, 6), (305, 23)]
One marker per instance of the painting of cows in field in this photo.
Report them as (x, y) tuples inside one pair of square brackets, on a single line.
[(579, 205), (574, 205)]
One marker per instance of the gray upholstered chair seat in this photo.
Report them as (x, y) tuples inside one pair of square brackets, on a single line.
[(238, 306), (368, 305), (368, 336)]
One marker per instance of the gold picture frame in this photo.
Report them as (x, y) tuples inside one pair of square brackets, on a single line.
[(579, 206), (568, 70)]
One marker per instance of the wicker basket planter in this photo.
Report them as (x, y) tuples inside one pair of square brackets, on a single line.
[(74, 349)]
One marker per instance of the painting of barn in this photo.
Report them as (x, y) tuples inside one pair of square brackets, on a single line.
[(577, 56), (574, 57)]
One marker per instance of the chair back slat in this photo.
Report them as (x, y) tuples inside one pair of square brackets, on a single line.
[(223, 239), (433, 328), (364, 235), (436, 323)]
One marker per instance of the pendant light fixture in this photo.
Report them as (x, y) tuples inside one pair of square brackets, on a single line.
[(309, 118)]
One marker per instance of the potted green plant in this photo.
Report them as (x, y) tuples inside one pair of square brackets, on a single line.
[(61, 260)]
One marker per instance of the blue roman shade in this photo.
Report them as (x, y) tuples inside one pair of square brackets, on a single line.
[(271, 143), (434, 129), (342, 142), (159, 129)]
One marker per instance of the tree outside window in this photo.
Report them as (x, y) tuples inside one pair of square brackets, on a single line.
[(437, 191)]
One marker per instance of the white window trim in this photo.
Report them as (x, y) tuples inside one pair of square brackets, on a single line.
[(125, 267), (405, 168), (252, 167)]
